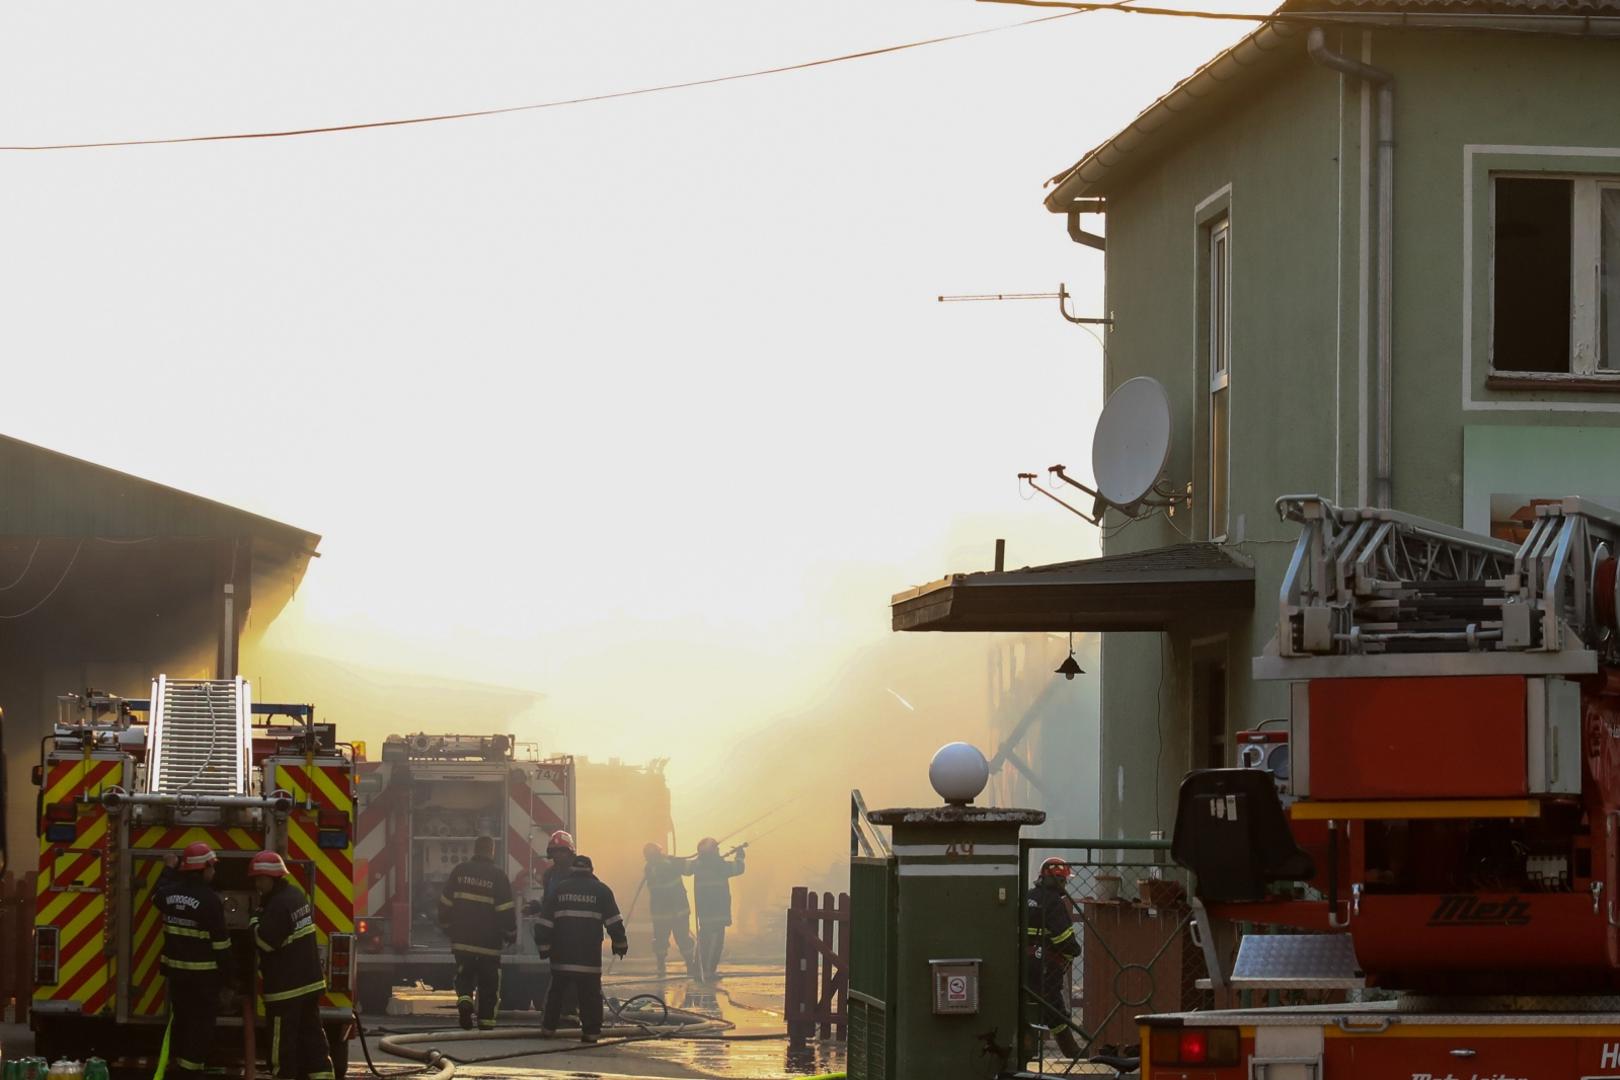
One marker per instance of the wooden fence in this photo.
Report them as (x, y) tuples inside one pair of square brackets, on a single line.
[(16, 945), (817, 966)]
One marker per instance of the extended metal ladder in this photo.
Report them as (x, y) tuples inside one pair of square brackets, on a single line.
[(200, 737), (1373, 584)]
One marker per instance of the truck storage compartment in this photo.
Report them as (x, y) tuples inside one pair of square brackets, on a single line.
[(447, 815)]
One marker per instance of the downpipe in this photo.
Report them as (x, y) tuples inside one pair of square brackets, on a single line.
[(1316, 46)]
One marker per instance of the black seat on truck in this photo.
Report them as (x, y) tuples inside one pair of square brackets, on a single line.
[(1232, 833)]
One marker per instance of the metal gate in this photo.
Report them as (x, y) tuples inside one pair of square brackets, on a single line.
[(1132, 921)]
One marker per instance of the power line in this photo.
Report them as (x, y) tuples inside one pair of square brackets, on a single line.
[(42, 601), (865, 54)]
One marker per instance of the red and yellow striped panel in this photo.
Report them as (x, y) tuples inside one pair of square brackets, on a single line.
[(146, 981), (329, 877), (71, 889), (175, 838)]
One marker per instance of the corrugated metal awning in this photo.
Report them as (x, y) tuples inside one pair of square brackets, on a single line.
[(1147, 590)]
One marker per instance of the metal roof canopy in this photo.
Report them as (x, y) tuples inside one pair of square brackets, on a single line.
[(1147, 590)]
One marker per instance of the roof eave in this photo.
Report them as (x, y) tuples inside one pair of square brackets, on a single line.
[(1085, 177)]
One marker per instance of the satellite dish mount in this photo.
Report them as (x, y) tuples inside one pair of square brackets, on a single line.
[(1129, 451)]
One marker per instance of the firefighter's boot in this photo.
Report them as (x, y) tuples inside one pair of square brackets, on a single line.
[(464, 1010), (1068, 1044)]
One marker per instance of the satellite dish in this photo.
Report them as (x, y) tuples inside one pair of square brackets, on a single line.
[(1132, 442)]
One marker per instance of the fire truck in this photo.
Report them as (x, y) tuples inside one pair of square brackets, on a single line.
[(123, 783), (421, 806), (1432, 837)]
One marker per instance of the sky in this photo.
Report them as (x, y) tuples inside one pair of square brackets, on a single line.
[(646, 405)]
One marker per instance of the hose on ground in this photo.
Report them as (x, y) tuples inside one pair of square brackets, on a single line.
[(410, 1045)]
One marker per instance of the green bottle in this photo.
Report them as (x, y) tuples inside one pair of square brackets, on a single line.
[(95, 1069)]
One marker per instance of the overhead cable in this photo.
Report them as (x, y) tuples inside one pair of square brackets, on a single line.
[(58, 585), (589, 99)]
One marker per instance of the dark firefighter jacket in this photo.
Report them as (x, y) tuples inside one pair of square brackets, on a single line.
[(711, 886), (665, 889), (289, 952), (572, 919), (554, 874), (194, 937), (1050, 934), (476, 907)]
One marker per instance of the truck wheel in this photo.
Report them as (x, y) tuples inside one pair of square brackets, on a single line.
[(375, 990), (338, 1044)]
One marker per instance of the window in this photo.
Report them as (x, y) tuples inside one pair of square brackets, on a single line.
[(1218, 347), (1556, 268)]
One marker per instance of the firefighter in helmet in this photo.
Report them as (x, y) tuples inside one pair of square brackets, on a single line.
[(671, 913), (560, 855), (1050, 947), (195, 950), (477, 909), (290, 962), (711, 886), (572, 919)]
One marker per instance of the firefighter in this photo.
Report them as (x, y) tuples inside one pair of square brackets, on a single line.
[(290, 963), (671, 914), (560, 854), (711, 886), (1050, 946), (477, 909), (572, 918), (195, 948)]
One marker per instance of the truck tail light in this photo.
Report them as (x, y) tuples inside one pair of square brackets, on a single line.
[(61, 823), (372, 934), (1211, 1047), (340, 963), (332, 829), (47, 961)]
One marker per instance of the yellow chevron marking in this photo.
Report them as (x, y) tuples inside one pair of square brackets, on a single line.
[(244, 840), (325, 869), (92, 986), (91, 953), (323, 780), (286, 779), (333, 914)]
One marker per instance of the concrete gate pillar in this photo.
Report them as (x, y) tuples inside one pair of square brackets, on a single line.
[(957, 953)]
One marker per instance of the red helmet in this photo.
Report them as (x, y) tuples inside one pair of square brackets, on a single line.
[(267, 864), (561, 838), (1056, 867), (197, 856), (650, 850)]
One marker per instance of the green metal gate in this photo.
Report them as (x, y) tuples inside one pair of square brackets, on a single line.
[(872, 893)]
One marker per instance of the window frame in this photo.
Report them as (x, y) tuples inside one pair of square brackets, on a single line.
[(1218, 351), (1585, 323)]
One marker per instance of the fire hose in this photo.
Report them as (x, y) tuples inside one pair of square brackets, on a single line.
[(423, 1046)]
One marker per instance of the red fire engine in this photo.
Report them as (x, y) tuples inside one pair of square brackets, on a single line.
[(1437, 835)]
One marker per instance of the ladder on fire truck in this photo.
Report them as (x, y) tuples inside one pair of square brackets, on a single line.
[(200, 735), (1371, 591)]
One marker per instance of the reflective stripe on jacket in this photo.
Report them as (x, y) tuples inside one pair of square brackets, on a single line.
[(477, 909), (1050, 934), (194, 937), (711, 886), (289, 951), (666, 892), (572, 920)]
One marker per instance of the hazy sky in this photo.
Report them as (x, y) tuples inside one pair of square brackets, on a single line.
[(644, 404)]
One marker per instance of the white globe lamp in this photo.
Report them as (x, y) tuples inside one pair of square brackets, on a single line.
[(958, 772)]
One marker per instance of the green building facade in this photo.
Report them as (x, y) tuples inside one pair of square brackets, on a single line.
[(1242, 266)]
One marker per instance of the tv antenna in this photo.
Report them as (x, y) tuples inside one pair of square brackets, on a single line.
[(1061, 296), (1129, 451)]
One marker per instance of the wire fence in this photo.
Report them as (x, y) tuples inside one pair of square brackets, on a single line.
[(1132, 921)]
